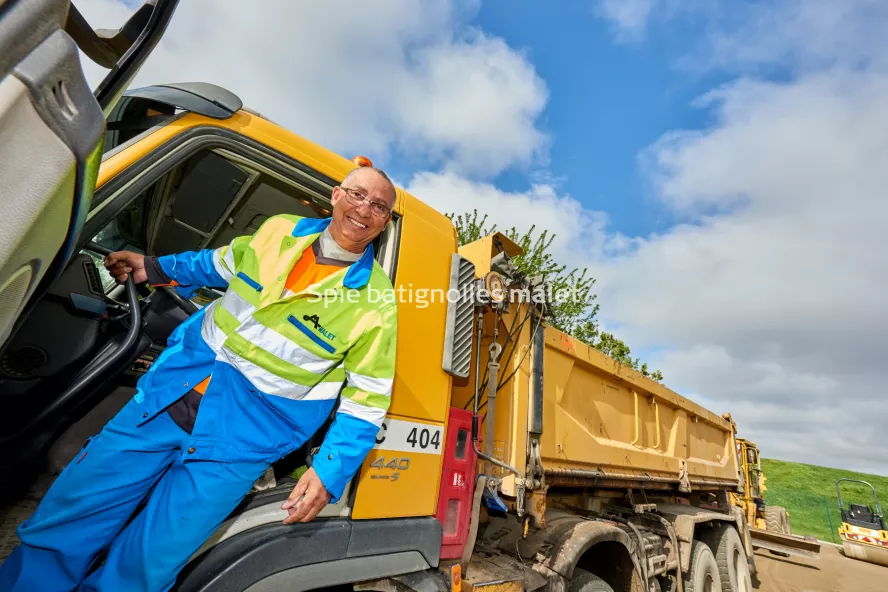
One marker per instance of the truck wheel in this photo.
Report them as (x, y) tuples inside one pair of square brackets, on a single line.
[(730, 556), (583, 581), (777, 520), (702, 573)]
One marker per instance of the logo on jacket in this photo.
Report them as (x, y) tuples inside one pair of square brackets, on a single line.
[(316, 321)]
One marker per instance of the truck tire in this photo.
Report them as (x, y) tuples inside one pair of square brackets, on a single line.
[(583, 581), (777, 520), (730, 556), (702, 573)]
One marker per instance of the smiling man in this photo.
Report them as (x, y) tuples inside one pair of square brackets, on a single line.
[(241, 384)]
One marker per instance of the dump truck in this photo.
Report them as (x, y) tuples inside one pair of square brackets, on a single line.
[(863, 532), (512, 457), (769, 525)]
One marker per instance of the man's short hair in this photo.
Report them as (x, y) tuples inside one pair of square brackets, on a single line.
[(379, 172)]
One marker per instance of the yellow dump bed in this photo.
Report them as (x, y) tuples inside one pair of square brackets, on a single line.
[(589, 420), (601, 417)]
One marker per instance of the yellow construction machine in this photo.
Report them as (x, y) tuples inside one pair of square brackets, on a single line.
[(863, 531), (769, 526), (758, 514)]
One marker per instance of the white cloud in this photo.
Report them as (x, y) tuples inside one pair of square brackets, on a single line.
[(795, 34), (579, 233), (629, 16), (800, 34), (792, 414), (361, 78), (769, 301)]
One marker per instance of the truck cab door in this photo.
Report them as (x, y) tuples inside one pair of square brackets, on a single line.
[(52, 128), (87, 336)]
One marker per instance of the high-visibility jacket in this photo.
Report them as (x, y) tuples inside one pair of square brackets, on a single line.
[(278, 365)]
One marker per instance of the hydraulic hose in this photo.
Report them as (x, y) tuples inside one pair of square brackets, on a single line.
[(475, 427)]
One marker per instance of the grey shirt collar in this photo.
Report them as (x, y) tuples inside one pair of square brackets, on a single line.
[(330, 249)]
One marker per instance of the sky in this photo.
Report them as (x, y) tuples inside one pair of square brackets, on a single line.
[(720, 167)]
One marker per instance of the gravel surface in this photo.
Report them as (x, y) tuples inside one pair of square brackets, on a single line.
[(833, 572)]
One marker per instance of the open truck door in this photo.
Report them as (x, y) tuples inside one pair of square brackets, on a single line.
[(51, 134)]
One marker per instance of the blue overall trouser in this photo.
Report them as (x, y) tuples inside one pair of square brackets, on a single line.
[(87, 508)]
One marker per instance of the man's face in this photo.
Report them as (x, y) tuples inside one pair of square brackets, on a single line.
[(355, 226)]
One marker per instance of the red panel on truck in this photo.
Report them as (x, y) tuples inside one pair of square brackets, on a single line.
[(457, 483)]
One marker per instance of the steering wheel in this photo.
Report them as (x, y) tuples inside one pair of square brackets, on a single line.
[(188, 307)]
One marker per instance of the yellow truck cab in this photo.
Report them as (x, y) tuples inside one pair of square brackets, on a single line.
[(513, 457), (203, 171)]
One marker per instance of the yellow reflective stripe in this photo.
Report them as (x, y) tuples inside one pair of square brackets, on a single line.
[(372, 414), (244, 290), (373, 354), (367, 399), (224, 320)]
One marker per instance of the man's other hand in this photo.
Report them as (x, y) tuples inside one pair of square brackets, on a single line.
[(307, 499), (121, 263)]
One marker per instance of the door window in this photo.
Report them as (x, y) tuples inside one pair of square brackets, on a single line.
[(205, 198), (125, 232), (132, 118)]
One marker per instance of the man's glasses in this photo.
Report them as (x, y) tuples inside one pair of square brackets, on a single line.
[(356, 198)]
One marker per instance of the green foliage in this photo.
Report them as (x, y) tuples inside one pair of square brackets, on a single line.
[(574, 314), (617, 349), (801, 489)]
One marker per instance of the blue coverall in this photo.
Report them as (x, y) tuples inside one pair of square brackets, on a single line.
[(197, 478)]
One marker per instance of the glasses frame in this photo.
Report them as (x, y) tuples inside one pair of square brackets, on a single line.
[(357, 199)]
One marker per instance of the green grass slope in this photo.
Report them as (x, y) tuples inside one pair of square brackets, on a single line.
[(807, 490)]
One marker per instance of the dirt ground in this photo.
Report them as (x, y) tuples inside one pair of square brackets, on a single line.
[(833, 572)]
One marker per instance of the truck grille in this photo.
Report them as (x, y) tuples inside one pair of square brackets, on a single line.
[(458, 334)]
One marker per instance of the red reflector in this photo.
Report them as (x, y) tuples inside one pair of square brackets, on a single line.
[(451, 521)]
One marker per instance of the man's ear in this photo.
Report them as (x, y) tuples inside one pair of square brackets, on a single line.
[(337, 195)]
